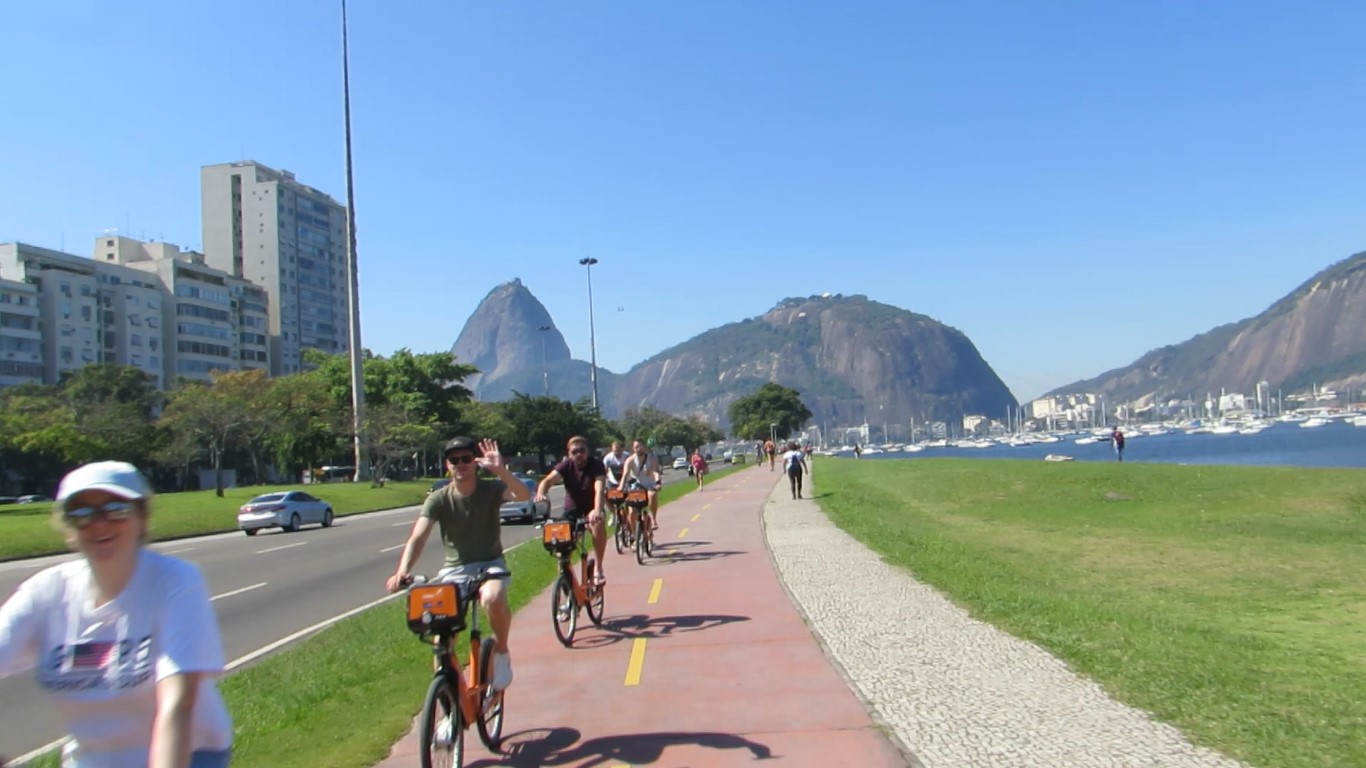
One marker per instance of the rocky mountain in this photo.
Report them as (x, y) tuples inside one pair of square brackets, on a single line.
[(852, 359), (502, 337), (1315, 334)]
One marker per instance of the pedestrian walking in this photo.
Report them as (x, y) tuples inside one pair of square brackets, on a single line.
[(794, 463)]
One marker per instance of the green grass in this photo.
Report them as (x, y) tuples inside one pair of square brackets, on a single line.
[(26, 529), (1228, 601)]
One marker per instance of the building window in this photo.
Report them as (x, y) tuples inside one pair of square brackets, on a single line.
[(135, 339)]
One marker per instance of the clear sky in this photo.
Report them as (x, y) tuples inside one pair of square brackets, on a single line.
[(1071, 184)]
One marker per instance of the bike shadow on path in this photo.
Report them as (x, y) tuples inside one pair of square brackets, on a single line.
[(615, 629), (667, 552), (561, 746)]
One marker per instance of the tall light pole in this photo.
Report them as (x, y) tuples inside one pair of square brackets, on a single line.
[(545, 370), (592, 340), (352, 273)]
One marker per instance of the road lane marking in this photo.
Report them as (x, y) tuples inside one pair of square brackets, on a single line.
[(408, 523), (177, 551), (277, 549), (239, 591), (391, 549), (637, 661), (706, 506), (654, 591), (694, 517), (683, 533)]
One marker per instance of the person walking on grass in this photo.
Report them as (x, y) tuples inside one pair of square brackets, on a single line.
[(122, 638), (794, 463), (699, 467), (1117, 439), (467, 514)]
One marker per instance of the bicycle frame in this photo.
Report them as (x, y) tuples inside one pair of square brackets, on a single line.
[(579, 580)]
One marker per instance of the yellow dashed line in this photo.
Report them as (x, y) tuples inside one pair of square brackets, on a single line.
[(683, 533), (654, 591), (694, 517), (637, 661)]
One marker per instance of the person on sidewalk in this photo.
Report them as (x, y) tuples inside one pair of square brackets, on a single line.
[(467, 512), (124, 639), (643, 468), (794, 462), (585, 484), (699, 467)]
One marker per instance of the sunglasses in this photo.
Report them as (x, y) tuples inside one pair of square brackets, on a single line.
[(114, 511), (467, 458)]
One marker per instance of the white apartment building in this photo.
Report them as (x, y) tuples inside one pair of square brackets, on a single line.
[(212, 321), (21, 334), (262, 225), (88, 312)]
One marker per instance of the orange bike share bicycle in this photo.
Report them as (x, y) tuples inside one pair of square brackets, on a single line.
[(456, 697), (644, 534), (622, 535), (572, 593)]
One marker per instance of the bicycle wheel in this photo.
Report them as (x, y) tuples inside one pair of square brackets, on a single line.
[(619, 535), (564, 612), (596, 599), (650, 538), (440, 732), (490, 719)]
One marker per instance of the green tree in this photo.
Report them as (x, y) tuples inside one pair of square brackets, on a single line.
[(305, 427), (690, 433), (752, 417), (393, 434), (214, 414), (541, 424), (642, 422), (428, 385), (40, 435)]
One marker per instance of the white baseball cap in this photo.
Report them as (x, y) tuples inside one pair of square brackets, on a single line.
[(117, 477)]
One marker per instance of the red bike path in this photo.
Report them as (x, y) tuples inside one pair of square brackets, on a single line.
[(702, 659)]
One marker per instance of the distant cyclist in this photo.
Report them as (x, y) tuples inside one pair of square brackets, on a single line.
[(467, 513), (614, 461), (584, 477), (643, 468), (794, 463)]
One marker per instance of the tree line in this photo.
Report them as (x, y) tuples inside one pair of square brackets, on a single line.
[(255, 423)]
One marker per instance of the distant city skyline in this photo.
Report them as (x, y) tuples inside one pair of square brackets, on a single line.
[(1070, 185)]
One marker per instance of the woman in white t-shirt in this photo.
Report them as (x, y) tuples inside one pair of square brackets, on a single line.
[(124, 639)]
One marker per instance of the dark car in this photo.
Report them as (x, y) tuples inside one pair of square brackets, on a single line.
[(438, 485)]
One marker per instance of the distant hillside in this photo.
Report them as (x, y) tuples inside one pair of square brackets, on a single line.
[(851, 358), (1315, 334)]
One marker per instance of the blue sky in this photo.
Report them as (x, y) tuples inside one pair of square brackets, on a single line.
[(1070, 184)]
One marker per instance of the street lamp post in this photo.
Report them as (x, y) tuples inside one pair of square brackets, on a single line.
[(352, 271), (592, 340), (545, 370), (773, 432)]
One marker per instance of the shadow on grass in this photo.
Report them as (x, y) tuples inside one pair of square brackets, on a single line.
[(616, 629), (561, 746)]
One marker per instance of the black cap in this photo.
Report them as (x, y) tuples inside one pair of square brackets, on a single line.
[(462, 443)]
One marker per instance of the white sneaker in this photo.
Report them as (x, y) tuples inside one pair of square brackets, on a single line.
[(502, 671)]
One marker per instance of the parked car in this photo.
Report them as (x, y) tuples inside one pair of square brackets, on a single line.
[(31, 499), (528, 510), (438, 485), (284, 509), (681, 462)]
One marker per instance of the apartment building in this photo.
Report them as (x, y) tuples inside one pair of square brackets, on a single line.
[(21, 334), (87, 312), (212, 321), (264, 226)]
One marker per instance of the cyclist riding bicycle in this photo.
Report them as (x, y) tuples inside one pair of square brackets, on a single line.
[(585, 479), (467, 512), (643, 468), (614, 461)]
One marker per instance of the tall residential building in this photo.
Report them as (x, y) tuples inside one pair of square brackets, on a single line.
[(264, 226), (213, 320), (88, 312)]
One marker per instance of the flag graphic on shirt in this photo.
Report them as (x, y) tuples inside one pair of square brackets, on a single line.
[(93, 655)]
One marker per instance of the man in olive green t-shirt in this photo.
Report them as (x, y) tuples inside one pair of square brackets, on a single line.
[(467, 511)]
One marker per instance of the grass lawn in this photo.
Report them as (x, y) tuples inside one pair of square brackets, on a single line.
[(1228, 601), (26, 529)]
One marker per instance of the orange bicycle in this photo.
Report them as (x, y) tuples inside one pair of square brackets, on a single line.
[(644, 535), (571, 594), (616, 502), (436, 612)]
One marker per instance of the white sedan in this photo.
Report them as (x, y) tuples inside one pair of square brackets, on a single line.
[(284, 509), (681, 463)]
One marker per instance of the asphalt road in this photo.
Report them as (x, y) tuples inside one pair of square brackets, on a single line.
[(257, 584)]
